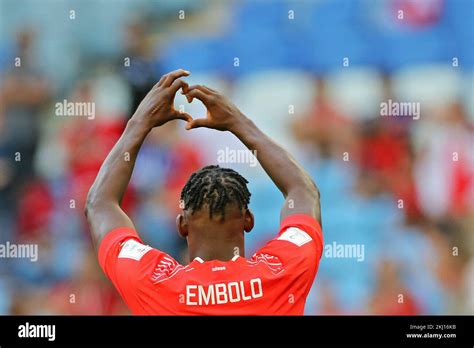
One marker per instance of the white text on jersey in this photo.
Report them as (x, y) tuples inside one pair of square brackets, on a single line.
[(222, 293)]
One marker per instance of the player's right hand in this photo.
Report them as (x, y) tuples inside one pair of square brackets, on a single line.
[(222, 114)]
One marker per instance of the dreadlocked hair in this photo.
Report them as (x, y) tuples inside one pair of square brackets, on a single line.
[(215, 187)]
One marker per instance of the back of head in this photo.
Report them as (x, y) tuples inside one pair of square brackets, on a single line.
[(217, 191), (215, 213)]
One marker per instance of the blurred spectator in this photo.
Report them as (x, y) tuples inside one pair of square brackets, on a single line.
[(88, 292), (139, 67), (391, 296), (23, 92)]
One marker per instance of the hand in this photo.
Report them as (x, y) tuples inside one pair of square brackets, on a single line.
[(222, 114), (157, 107)]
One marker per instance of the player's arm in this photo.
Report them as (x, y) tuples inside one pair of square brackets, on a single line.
[(299, 190), (103, 209)]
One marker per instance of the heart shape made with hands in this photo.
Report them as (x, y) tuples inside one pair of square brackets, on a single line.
[(221, 113), (191, 106), (200, 115)]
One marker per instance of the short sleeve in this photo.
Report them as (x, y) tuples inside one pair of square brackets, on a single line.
[(130, 264), (111, 245), (296, 250), (301, 229)]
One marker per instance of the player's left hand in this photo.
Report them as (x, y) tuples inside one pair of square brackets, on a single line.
[(157, 107)]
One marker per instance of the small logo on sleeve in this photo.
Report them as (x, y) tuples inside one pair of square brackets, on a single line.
[(295, 236), (134, 250)]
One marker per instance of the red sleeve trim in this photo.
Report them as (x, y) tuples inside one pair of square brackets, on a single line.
[(114, 236), (305, 222)]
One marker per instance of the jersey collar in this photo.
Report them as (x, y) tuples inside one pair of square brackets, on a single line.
[(198, 259)]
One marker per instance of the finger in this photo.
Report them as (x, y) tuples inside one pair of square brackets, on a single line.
[(196, 93), (177, 84), (172, 76), (162, 79), (185, 89), (160, 82), (209, 89), (200, 122), (202, 88), (183, 116)]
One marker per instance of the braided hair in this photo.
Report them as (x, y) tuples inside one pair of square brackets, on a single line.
[(215, 187)]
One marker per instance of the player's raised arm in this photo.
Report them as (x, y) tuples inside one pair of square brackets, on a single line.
[(299, 190), (103, 209)]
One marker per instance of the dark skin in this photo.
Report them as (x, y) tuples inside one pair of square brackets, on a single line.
[(208, 238), (103, 209), (215, 239)]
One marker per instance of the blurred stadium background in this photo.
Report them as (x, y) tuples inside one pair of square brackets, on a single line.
[(310, 73)]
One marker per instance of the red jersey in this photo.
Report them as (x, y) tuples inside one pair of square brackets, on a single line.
[(275, 281)]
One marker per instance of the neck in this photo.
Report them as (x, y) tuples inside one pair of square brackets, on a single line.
[(217, 250), (215, 239)]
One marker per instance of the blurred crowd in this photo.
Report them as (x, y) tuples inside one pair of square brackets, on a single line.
[(312, 74)]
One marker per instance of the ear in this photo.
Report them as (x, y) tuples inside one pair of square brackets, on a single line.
[(181, 226), (248, 220)]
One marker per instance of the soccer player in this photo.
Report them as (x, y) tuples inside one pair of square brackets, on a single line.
[(219, 280)]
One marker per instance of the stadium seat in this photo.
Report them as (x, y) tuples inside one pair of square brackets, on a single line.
[(356, 92), (268, 96)]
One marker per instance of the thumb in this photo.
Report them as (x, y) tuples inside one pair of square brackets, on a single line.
[(200, 122), (183, 116)]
